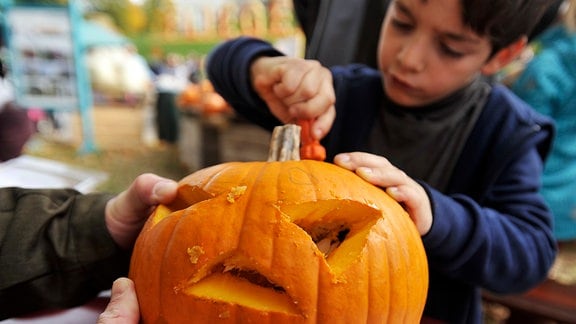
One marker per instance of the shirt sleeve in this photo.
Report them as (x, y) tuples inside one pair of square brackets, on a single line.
[(228, 68), (504, 245), (55, 250)]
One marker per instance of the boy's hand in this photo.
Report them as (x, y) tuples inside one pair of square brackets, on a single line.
[(380, 172), (127, 212), (294, 89)]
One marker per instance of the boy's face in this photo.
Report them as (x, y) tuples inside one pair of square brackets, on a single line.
[(426, 53)]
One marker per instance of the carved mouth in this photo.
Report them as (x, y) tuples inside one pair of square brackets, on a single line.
[(253, 277), (244, 287)]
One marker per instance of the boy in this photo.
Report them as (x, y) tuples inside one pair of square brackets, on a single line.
[(463, 156)]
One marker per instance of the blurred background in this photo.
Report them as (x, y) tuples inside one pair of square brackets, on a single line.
[(143, 61)]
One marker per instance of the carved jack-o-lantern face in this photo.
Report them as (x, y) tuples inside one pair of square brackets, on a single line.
[(279, 242)]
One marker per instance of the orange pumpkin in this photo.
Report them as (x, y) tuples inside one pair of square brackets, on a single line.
[(279, 242), (206, 85), (213, 103), (191, 96)]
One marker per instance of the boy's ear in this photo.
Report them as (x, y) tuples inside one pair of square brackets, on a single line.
[(504, 56)]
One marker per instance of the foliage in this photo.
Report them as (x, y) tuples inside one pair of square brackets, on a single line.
[(160, 15), (127, 16), (153, 16), (149, 46)]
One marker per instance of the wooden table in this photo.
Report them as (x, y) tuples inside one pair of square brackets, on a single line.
[(210, 140)]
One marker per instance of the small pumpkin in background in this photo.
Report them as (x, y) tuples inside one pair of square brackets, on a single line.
[(279, 242), (213, 103), (206, 85), (202, 98), (191, 96)]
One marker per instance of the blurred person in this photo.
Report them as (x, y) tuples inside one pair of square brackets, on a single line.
[(341, 31), (16, 128), (171, 80), (548, 84), (193, 68), (60, 248), (156, 59)]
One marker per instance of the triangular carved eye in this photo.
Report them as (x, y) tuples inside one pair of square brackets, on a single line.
[(338, 227)]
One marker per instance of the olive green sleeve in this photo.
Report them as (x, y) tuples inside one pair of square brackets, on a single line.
[(55, 250)]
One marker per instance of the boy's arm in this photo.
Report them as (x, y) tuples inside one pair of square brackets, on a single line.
[(287, 87), (504, 245), (228, 68)]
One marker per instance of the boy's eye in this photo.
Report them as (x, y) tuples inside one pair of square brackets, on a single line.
[(448, 51), (401, 25)]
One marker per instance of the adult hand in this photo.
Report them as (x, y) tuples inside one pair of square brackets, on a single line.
[(296, 89), (378, 171), (123, 307), (127, 212)]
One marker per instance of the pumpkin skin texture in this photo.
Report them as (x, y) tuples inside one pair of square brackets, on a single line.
[(279, 242)]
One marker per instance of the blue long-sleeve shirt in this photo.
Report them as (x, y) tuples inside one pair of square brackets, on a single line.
[(491, 228)]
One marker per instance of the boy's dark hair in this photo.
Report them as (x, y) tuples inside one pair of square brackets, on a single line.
[(503, 21)]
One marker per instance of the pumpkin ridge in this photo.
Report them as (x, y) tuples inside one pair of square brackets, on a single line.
[(203, 178), (166, 265), (256, 172), (375, 310), (396, 295), (208, 183), (165, 247), (309, 166)]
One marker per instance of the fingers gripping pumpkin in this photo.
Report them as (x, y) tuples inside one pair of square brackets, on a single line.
[(279, 242)]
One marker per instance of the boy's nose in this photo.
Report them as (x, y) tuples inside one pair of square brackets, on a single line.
[(412, 56)]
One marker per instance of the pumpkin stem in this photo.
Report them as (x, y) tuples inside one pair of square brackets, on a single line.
[(285, 143)]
